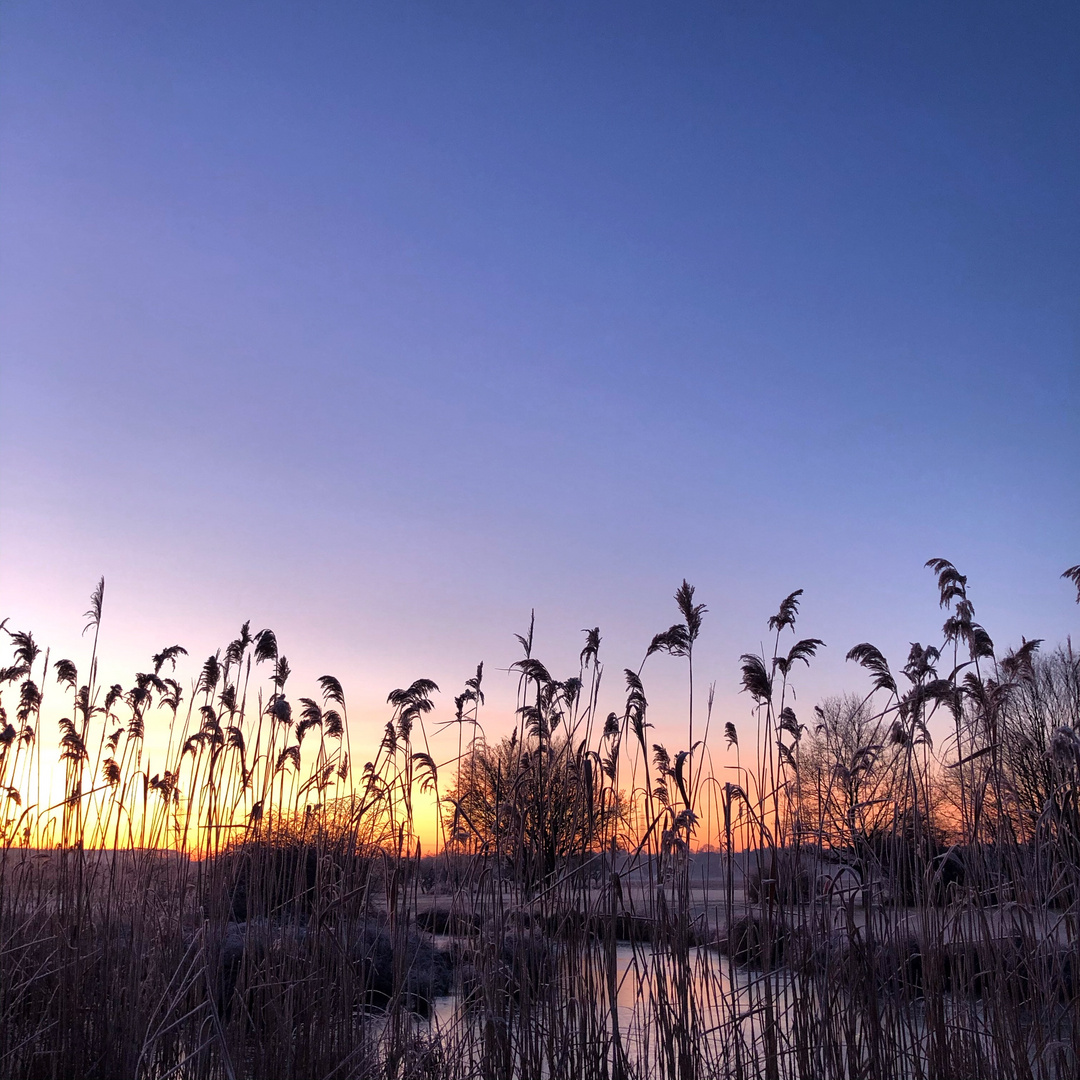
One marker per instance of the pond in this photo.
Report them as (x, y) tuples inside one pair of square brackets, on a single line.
[(706, 1016)]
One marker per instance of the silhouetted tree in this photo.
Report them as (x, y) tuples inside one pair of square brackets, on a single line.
[(535, 803)]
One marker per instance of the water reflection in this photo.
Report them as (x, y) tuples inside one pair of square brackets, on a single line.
[(703, 1015), (722, 1010)]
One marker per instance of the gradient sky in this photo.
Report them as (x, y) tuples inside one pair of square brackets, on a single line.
[(381, 324)]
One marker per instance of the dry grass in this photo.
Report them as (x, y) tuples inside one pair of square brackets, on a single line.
[(879, 907)]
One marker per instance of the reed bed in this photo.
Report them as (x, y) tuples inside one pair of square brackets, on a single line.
[(873, 905)]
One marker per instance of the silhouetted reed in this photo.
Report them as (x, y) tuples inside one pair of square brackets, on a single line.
[(233, 897)]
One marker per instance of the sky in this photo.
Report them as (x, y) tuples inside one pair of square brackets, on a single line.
[(385, 324)]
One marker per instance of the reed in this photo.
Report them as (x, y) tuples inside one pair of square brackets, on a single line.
[(249, 903)]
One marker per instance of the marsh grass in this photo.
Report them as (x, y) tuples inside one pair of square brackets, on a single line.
[(257, 906)]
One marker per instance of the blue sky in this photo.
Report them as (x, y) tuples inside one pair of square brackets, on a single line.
[(384, 324)]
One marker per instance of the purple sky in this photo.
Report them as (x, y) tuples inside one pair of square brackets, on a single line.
[(382, 324)]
